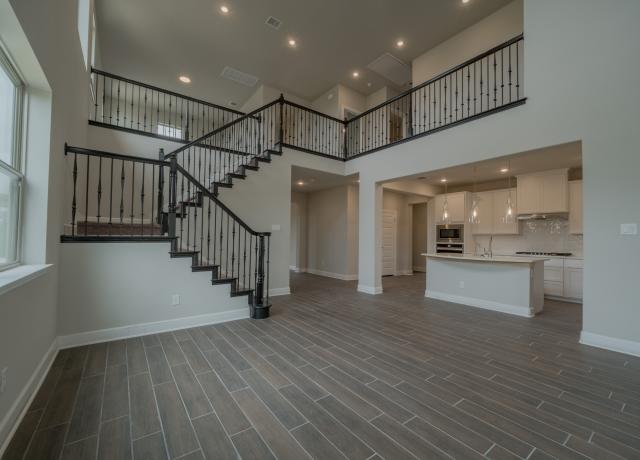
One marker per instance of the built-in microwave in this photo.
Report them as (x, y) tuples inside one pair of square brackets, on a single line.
[(450, 233)]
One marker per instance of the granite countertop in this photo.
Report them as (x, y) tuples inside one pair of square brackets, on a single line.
[(494, 259)]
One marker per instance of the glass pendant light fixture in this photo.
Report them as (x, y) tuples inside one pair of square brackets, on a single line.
[(446, 218), (509, 214), (474, 215)]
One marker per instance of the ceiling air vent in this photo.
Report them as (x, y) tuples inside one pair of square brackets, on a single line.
[(391, 68), (273, 22), (239, 77)]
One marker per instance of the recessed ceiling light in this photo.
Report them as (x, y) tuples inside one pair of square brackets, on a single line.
[(465, 1), (355, 74), (369, 84), (292, 43), (225, 9), (184, 79), (443, 180), (504, 170), (400, 43), (300, 182)]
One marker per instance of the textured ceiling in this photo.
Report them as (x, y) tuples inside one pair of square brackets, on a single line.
[(157, 40)]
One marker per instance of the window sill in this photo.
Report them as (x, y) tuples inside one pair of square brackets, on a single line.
[(15, 277)]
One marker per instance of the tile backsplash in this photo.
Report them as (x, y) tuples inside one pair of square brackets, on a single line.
[(550, 235)]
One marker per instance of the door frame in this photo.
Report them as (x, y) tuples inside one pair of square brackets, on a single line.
[(394, 213)]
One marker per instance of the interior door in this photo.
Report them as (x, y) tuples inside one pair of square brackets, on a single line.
[(389, 227)]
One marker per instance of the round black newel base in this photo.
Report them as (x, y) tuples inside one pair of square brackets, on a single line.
[(260, 311)]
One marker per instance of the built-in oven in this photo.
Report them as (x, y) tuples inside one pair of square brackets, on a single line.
[(450, 234)]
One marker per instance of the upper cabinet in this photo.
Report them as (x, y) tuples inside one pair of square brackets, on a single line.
[(492, 208), (575, 207), (457, 204), (543, 192)]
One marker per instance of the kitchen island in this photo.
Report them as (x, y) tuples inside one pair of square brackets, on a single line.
[(506, 284)]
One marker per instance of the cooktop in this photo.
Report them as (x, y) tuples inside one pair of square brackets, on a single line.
[(537, 253)]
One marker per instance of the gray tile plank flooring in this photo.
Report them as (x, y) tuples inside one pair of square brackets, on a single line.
[(338, 374)]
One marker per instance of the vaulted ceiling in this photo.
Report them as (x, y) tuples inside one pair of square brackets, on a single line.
[(157, 40)]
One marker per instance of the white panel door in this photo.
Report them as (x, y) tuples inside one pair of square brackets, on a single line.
[(389, 226)]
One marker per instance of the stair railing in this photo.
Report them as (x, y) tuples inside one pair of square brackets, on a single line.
[(114, 197)]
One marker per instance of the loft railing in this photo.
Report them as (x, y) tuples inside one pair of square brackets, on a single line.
[(122, 103), (488, 83), (120, 197)]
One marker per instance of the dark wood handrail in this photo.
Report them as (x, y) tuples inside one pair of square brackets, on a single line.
[(438, 77), (189, 177), (161, 90)]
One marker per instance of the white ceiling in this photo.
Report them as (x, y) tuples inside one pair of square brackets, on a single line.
[(157, 40), (560, 156)]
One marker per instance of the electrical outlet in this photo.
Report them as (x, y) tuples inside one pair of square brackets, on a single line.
[(175, 299), (461, 284), (3, 379), (628, 229)]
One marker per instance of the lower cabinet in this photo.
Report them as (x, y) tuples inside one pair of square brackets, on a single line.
[(563, 278), (573, 279)]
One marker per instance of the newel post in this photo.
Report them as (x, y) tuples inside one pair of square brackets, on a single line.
[(173, 195), (260, 307)]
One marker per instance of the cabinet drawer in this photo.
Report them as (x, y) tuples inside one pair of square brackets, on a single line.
[(553, 288), (553, 274)]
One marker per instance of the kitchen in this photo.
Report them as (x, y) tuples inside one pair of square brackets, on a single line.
[(507, 234)]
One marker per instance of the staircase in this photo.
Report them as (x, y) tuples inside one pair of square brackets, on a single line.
[(174, 198)]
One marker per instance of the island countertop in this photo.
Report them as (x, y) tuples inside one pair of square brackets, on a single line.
[(495, 259)]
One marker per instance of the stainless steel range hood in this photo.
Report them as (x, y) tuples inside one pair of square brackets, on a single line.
[(541, 216)]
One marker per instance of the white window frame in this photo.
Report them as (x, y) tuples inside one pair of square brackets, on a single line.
[(15, 168)]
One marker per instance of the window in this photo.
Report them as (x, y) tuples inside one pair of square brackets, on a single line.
[(169, 131), (10, 176)]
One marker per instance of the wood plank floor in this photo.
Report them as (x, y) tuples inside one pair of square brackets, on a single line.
[(336, 374)]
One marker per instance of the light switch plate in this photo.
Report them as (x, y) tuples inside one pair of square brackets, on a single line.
[(275, 227), (628, 229)]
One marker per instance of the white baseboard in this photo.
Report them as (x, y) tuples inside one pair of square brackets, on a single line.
[(124, 332), (404, 273), (338, 276), (279, 291), (10, 422), (629, 347), (479, 303), (375, 290)]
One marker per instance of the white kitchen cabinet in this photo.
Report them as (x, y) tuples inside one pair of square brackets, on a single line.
[(485, 214), (543, 192), (573, 278), (457, 205), (575, 207), (492, 208), (499, 212)]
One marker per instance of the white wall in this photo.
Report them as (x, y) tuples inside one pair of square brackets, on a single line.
[(332, 232), (42, 39), (334, 101), (95, 297), (493, 30), (569, 99)]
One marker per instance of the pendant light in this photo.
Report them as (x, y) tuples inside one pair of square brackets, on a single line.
[(446, 218), (474, 215), (509, 213)]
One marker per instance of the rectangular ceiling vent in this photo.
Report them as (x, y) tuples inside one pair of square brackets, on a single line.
[(239, 77), (273, 22), (391, 68)]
